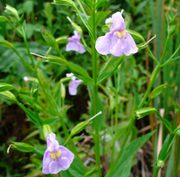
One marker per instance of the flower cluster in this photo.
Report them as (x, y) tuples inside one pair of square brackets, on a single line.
[(118, 41), (73, 84), (56, 157)]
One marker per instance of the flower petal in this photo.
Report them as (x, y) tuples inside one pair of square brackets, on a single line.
[(126, 47), (55, 167), (73, 86), (52, 144), (103, 43), (131, 42), (64, 162), (118, 22), (114, 40), (66, 153), (75, 46), (81, 48), (117, 49), (77, 35), (46, 161)]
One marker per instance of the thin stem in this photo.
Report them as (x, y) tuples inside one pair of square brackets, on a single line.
[(164, 50), (27, 46), (82, 8), (95, 90), (116, 102), (112, 154)]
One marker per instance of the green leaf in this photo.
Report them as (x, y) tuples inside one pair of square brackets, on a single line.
[(105, 28), (37, 163), (56, 60), (78, 69), (165, 122), (23, 147), (32, 134), (52, 106), (27, 99), (92, 171), (112, 63), (157, 91), (28, 7), (77, 169), (145, 111), (176, 106), (88, 3), (31, 116), (123, 165), (100, 3), (6, 44), (62, 39), (40, 149), (8, 95), (49, 38), (103, 76), (109, 64), (51, 121), (177, 131), (5, 87), (64, 2), (2, 19), (135, 35), (98, 17), (163, 152)]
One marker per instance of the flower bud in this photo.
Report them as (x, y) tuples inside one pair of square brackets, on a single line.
[(160, 163), (13, 11), (23, 147), (145, 111), (47, 130), (75, 26), (63, 91)]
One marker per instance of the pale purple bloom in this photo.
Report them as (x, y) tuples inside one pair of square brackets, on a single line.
[(74, 43), (73, 84), (118, 41), (56, 157)]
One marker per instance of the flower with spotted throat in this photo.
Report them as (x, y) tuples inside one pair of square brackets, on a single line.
[(56, 157), (118, 41)]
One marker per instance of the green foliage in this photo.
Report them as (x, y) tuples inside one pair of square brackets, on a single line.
[(115, 85)]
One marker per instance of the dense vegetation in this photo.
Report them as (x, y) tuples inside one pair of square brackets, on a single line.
[(137, 133)]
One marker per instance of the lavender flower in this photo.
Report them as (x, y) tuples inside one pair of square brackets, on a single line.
[(118, 41), (73, 84), (74, 43), (56, 157)]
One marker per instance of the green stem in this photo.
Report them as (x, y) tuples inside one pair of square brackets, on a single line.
[(116, 100), (27, 46), (156, 172), (112, 154), (153, 78), (82, 9), (95, 90)]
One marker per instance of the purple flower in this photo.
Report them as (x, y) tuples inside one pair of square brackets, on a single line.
[(56, 157), (118, 41), (73, 84), (74, 43)]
